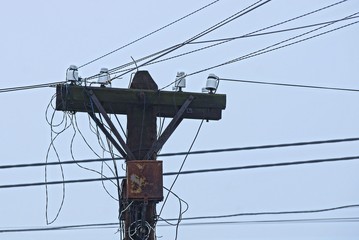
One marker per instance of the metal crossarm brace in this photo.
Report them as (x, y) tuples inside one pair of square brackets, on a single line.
[(126, 150), (108, 135), (176, 120)]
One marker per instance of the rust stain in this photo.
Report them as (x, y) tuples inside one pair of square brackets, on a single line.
[(137, 183), (140, 166)]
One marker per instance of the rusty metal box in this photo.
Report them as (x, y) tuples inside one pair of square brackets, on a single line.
[(144, 180)]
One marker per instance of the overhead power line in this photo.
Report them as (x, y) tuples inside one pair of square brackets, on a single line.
[(251, 34), (271, 48), (288, 85), (274, 32), (149, 34), (269, 165), (282, 221), (201, 34), (110, 225), (29, 87), (270, 213), (220, 150), (222, 41), (212, 223), (60, 182), (269, 146)]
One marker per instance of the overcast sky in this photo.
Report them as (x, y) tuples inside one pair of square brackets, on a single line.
[(41, 39)]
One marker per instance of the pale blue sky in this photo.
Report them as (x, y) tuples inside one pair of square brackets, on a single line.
[(40, 39)]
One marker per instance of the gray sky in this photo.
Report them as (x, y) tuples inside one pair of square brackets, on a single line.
[(40, 39)]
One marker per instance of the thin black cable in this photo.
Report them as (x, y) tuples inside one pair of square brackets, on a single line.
[(203, 33), (177, 46), (273, 47), (251, 34), (87, 180), (228, 39), (269, 49), (297, 144), (149, 34), (115, 225), (75, 126), (180, 211), (282, 164), (288, 84), (52, 146), (181, 167), (29, 87), (271, 213), (119, 190), (234, 149), (273, 32), (218, 42), (282, 221), (268, 165)]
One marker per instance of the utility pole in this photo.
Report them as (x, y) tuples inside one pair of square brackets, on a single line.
[(142, 103)]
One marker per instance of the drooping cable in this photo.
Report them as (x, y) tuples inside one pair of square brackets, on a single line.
[(181, 167), (180, 211), (75, 126), (53, 137)]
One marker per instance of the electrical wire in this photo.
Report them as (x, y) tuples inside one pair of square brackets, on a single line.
[(68, 120), (226, 40), (249, 222), (168, 50), (181, 167), (75, 126), (115, 225), (64, 124), (203, 33), (270, 165), (149, 34), (29, 87), (180, 200), (210, 151), (273, 32), (276, 221), (271, 213), (221, 41), (272, 48), (288, 84)]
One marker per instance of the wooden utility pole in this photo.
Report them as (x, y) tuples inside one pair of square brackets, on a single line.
[(142, 103)]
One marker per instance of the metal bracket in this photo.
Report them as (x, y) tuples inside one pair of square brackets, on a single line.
[(176, 120), (126, 152), (108, 135)]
